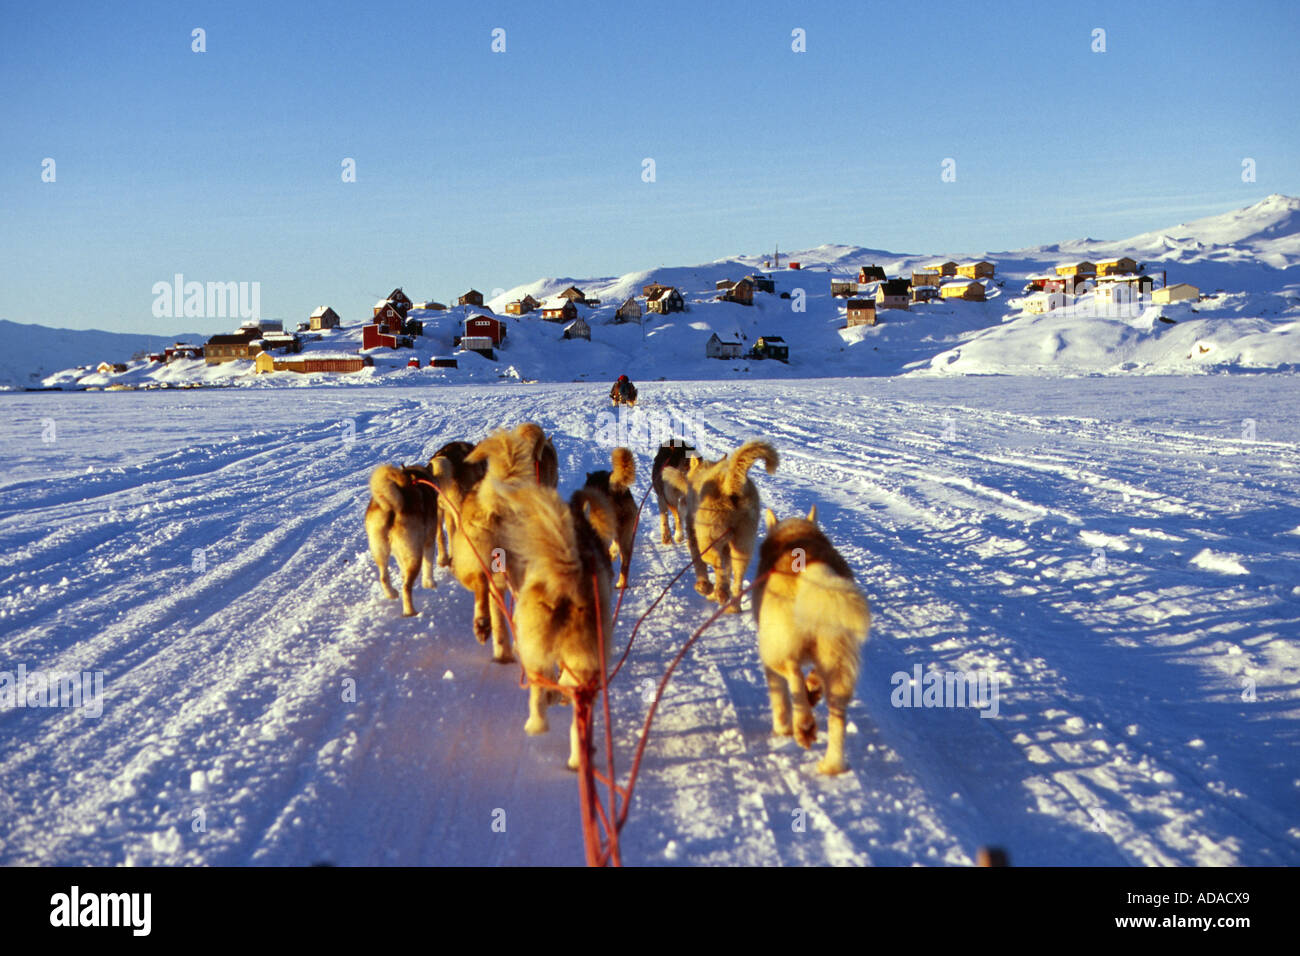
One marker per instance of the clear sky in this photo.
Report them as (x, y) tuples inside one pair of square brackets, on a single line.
[(486, 169)]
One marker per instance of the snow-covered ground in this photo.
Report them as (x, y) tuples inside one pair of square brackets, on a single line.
[(1118, 553)]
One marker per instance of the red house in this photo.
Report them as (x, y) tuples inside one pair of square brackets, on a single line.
[(484, 326), (390, 319)]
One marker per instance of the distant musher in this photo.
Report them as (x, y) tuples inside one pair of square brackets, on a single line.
[(623, 392)]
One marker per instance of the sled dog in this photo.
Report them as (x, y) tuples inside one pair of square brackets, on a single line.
[(402, 521), (721, 511), (809, 611), (669, 455), (614, 485), (479, 559), (562, 599)]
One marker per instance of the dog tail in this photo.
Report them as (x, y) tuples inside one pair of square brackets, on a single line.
[(540, 533), (674, 478), (734, 480), (594, 505), (832, 608), (624, 470), (386, 483), (509, 456)]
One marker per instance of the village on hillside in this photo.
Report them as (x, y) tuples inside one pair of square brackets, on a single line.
[(470, 327)]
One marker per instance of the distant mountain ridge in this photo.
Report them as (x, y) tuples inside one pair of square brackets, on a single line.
[(29, 352)]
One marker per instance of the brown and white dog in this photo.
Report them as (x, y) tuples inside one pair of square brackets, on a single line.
[(721, 511), (479, 558), (670, 455), (809, 611), (615, 485), (562, 598), (402, 521)]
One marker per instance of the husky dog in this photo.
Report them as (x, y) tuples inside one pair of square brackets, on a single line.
[(721, 511), (402, 520), (614, 485), (808, 611), (513, 459), (562, 597), (670, 455), (462, 479)]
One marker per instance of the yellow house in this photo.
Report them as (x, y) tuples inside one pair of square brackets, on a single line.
[(1077, 269), (970, 290), (1175, 293), (976, 270), (943, 268), (1116, 267)]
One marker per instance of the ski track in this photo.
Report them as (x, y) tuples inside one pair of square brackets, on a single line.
[(267, 706)]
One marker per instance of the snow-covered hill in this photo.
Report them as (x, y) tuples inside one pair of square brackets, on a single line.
[(1245, 263), (30, 353)]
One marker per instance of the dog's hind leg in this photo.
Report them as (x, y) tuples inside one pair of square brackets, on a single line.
[(442, 535), (739, 562), (805, 725), (664, 535), (500, 625), (379, 550), (482, 621), (839, 691), (780, 695), (702, 584), (430, 541), (538, 697), (721, 561)]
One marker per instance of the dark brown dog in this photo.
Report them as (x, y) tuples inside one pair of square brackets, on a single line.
[(670, 455), (614, 485)]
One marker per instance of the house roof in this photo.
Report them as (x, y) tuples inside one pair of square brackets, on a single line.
[(862, 304), (321, 310), (771, 338), (660, 292)]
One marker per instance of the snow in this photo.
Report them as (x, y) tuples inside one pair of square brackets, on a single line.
[(263, 704)]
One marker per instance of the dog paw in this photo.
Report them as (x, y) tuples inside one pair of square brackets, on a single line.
[(622, 581), (573, 763), (430, 583), (805, 734), (390, 593), (666, 539), (536, 725), (813, 686), (482, 629), (408, 611), (733, 607), (831, 767), (782, 730), (704, 587), (444, 562), (503, 656)]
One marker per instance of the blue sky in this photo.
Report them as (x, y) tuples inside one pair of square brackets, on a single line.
[(493, 169)]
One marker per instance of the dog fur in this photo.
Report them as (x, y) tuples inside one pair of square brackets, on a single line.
[(512, 459), (670, 455), (402, 521), (809, 610), (462, 479), (614, 485), (721, 510), (562, 600)]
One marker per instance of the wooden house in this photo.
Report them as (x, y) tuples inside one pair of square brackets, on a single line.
[(281, 342), (182, 350), (948, 268), (390, 319), (559, 309), (108, 368), (244, 344), (842, 288), (742, 292), (574, 294), (1117, 267), (652, 289), (323, 318), (872, 273), (315, 362), (723, 285), (893, 294), (1077, 269), (577, 329), (968, 289), (1046, 302), (771, 347), (861, 312), (718, 349), (976, 270), (472, 297), (1178, 292), (629, 311), (762, 283), (927, 278), (485, 326), (792, 265), (430, 306), (376, 336), (924, 293), (438, 362), (666, 299), (522, 306)]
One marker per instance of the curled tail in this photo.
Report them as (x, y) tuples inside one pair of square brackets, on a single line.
[(595, 507), (386, 484), (540, 533), (743, 460), (674, 479), (623, 472), (832, 608)]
